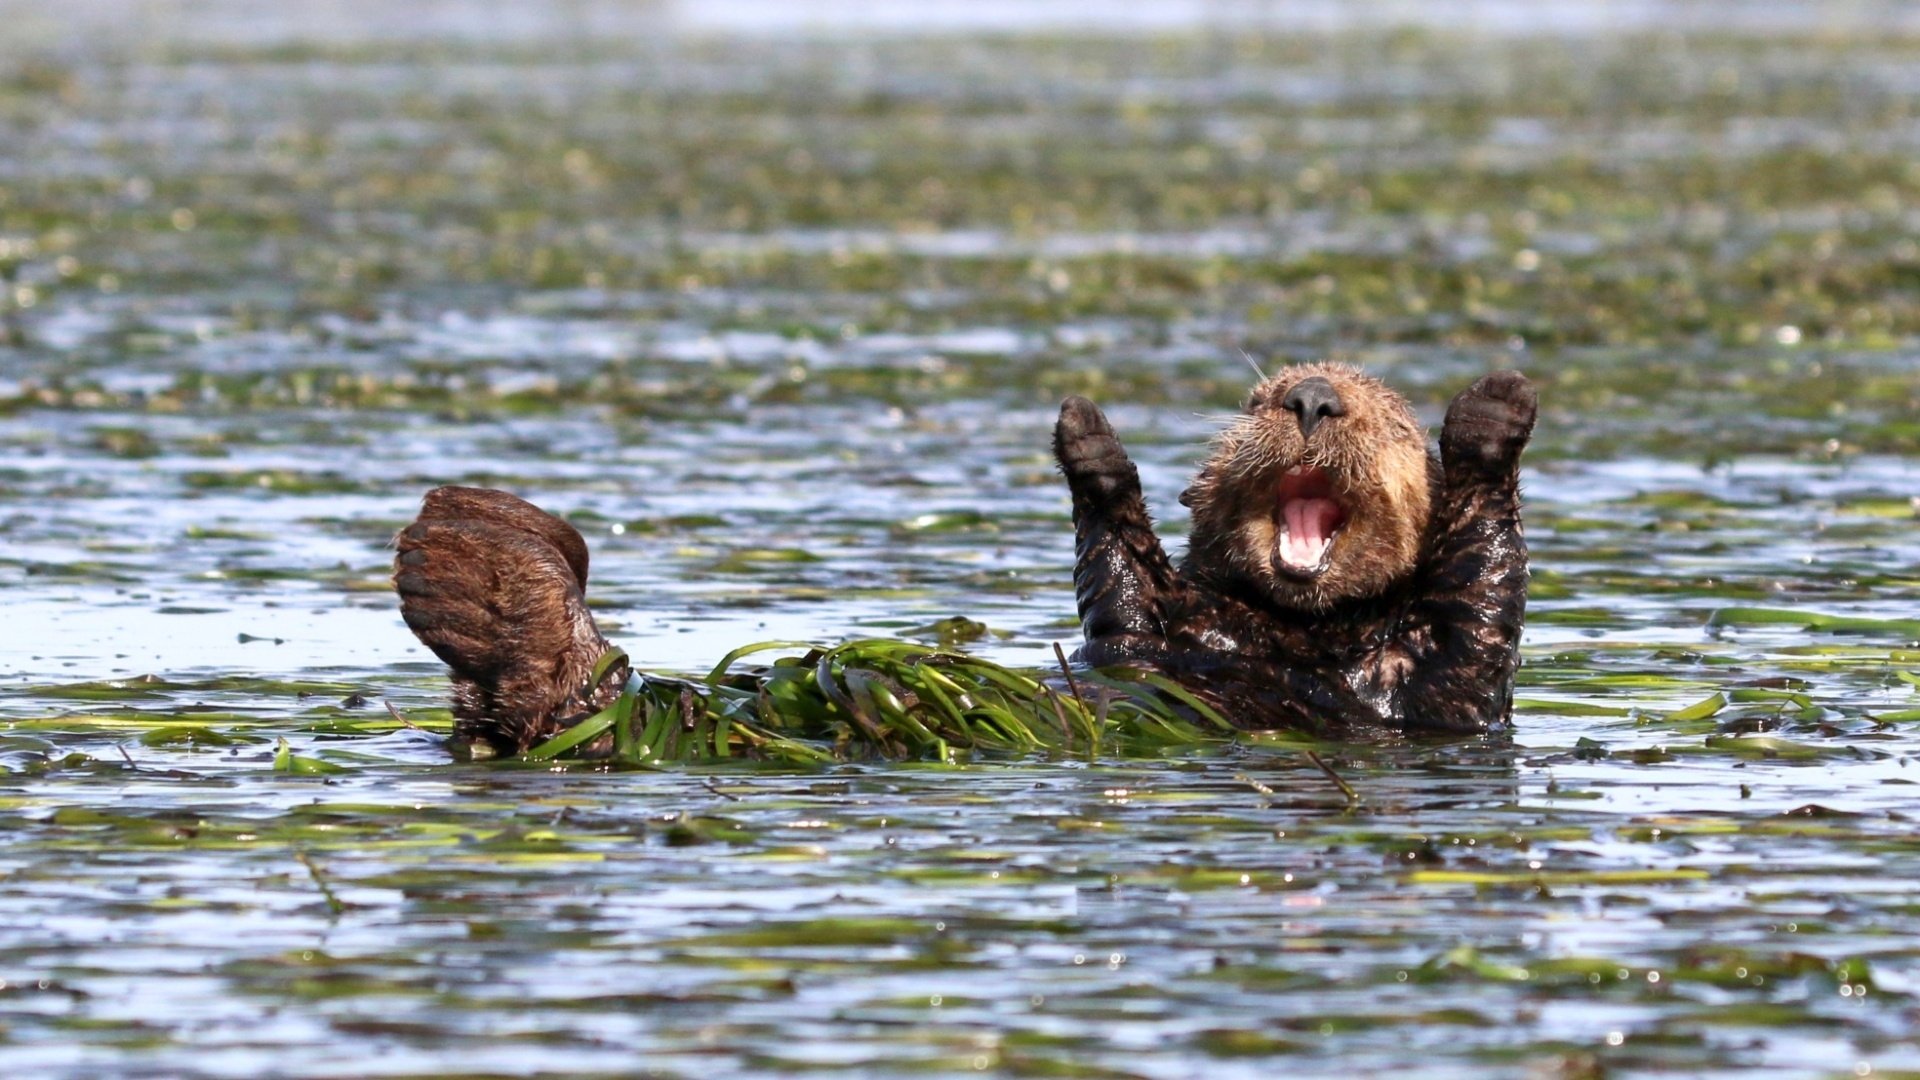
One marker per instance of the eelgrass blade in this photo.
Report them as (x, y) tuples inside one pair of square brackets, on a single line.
[(586, 730), (720, 669), (888, 698)]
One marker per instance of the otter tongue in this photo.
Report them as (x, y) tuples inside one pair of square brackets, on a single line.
[(1310, 525)]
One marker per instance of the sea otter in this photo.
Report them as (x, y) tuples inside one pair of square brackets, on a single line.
[(1338, 575)]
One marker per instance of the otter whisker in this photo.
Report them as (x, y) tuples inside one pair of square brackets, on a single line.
[(1220, 418)]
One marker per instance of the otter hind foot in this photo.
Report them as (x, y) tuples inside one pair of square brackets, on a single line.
[(494, 586), (453, 502)]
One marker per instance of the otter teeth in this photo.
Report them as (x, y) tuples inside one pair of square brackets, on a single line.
[(1309, 517), (1306, 532)]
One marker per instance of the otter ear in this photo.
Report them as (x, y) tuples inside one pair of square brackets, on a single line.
[(1201, 488)]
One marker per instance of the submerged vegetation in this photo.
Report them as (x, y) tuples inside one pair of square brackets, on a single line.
[(780, 322)]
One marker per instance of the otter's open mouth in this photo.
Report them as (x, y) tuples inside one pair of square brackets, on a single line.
[(1309, 520)]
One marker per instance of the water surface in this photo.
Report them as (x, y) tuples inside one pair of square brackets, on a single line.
[(780, 323)]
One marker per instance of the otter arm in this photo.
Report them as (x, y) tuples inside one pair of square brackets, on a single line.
[(495, 587), (1121, 577), (1463, 634)]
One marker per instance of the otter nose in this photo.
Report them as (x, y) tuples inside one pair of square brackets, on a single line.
[(1311, 401)]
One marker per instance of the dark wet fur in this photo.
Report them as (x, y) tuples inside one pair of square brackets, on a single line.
[(1435, 650), (495, 586)]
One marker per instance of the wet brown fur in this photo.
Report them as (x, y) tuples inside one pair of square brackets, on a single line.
[(1414, 622), (1382, 473), (495, 586)]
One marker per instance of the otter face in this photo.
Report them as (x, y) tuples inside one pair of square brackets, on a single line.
[(1318, 494)]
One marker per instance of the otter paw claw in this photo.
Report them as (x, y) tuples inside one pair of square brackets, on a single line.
[(1489, 423)]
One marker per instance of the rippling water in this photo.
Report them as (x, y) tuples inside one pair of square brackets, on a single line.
[(781, 325)]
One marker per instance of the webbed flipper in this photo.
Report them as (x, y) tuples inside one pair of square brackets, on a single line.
[(495, 586)]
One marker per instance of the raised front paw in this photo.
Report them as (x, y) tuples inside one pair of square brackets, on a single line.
[(1092, 457), (1489, 423)]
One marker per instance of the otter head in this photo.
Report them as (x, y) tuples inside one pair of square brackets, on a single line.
[(1318, 494)]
